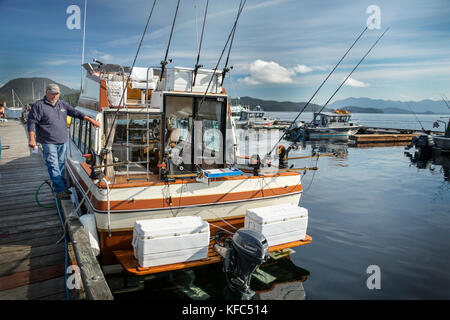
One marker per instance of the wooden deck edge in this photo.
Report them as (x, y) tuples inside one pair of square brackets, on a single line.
[(94, 282), (130, 264)]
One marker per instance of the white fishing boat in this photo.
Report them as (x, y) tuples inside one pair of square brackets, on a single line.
[(167, 149), (335, 124), (254, 119)]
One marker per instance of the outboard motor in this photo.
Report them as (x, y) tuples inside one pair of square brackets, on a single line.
[(243, 253)]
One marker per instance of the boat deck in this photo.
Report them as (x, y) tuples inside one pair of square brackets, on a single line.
[(31, 263), (130, 263)]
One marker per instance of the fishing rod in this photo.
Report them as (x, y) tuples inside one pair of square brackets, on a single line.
[(108, 143), (241, 7), (225, 69), (164, 63), (323, 82), (197, 66), (423, 129), (445, 101), (314, 118)]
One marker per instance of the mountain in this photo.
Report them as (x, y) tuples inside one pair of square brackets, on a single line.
[(390, 106), (271, 105), (23, 87)]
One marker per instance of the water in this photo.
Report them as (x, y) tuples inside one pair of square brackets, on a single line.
[(372, 206)]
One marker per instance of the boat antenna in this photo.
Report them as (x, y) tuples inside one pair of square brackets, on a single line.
[(241, 7), (108, 139), (321, 85), (197, 66), (416, 117), (225, 69), (82, 49), (357, 65), (164, 62)]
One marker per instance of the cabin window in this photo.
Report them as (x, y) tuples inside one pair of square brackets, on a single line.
[(82, 143), (91, 89), (179, 131), (209, 137), (76, 130)]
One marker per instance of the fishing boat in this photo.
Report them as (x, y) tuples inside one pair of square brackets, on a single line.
[(236, 111), (332, 125), (253, 119), (167, 148)]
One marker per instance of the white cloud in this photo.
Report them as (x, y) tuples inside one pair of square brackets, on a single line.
[(356, 83), (302, 69), (267, 72), (106, 57), (56, 62)]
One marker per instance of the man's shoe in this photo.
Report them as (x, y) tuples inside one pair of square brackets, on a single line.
[(68, 191), (62, 196)]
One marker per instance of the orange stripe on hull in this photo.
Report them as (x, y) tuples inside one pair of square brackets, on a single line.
[(128, 205)]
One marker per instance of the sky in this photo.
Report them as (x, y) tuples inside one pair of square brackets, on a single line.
[(282, 50)]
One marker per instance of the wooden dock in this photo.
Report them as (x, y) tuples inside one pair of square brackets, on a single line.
[(32, 264), (372, 140)]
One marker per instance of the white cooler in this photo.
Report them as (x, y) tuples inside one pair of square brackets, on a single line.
[(165, 241), (279, 224)]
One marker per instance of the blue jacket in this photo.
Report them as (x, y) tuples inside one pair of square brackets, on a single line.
[(50, 122)]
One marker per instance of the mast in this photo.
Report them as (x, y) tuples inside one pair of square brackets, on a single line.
[(14, 102)]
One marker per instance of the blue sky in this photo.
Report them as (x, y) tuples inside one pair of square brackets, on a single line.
[(283, 49)]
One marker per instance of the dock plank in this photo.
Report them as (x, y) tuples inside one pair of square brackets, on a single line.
[(31, 263)]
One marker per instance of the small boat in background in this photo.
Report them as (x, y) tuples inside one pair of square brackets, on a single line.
[(331, 125), (253, 119)]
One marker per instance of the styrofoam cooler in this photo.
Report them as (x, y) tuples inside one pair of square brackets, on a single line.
[(171, 240), (279, 224)]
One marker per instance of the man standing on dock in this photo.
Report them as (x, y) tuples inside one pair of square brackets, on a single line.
[(47, 125)]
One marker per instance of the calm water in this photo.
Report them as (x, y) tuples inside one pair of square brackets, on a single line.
[(371, 206)]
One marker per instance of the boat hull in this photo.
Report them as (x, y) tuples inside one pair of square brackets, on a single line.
[(321, 133), (222, 199), (442, 142)]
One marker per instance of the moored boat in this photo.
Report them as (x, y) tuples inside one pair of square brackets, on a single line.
[(332, 125), (166, 149)]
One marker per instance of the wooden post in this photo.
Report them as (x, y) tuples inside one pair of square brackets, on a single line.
[(94, 282)]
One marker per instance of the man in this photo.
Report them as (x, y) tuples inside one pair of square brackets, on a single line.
[(47, 125)]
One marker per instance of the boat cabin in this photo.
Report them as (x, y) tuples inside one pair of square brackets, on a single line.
[(328, 119), (154, 127)]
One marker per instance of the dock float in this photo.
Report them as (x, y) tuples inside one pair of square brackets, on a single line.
[(32, 263), (374, 140)]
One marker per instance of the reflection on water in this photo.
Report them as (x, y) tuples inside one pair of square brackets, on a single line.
[(435, 162), (278, 279)]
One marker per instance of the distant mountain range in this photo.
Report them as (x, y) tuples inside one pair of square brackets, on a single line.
[(271, 105), (354, 105), (426, 106), (23, 88)]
